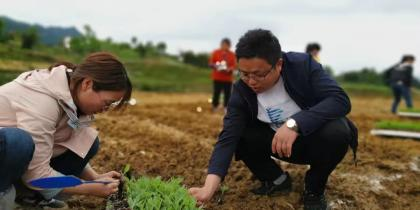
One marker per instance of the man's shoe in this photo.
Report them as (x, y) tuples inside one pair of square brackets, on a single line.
[(312, 201), (270, 188)]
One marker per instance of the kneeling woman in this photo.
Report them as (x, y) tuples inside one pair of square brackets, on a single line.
[(44, 123)]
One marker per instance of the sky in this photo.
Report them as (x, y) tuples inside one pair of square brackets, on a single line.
[(353, 33)]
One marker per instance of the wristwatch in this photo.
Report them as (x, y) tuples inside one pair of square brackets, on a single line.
[(291, 124)]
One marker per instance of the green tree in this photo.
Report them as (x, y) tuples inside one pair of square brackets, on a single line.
[(134, 41), (89, 33), (161, 48), (87, 43), (30, 38), (2, 31), (141, 50), (200, 59), (365, 75), (150, 49)]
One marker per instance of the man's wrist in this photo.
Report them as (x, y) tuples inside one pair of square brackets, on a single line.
[(292, 125), (212, 182)]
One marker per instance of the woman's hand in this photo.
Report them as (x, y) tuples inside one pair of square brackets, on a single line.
[(95, 189), (111, 174), (103, 190)]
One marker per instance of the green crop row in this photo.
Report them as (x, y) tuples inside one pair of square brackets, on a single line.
[(413, 110), (156, 194), (395, 125)]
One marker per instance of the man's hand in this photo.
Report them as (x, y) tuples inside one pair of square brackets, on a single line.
[(201, 194), (283, 141), (204, 194)]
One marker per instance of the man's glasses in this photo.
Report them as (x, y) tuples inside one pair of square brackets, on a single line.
[(256, 77)]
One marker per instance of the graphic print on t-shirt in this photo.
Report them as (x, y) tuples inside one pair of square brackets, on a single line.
[(275, 115), (275, 105)]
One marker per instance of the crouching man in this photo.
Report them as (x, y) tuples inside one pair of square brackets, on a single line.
[(285, 105)]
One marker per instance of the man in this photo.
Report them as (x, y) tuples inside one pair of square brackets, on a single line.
[(286, 106), (223, 62), (313, 49), (400, 77)]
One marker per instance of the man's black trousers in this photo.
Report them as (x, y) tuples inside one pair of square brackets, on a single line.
[(322, 150)]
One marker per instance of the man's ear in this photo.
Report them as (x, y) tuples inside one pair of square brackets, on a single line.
[(279, 63), (87, 84)]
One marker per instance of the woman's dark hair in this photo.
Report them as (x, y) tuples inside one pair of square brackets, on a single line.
[(407, 58), (259, 43), (106, 71), (312, 46)]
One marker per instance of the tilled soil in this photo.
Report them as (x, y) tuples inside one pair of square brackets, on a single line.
[(166, 135)]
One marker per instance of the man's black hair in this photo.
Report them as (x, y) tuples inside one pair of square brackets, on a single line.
[(407, 58), (259, 43), (313, 46), (226, 40)]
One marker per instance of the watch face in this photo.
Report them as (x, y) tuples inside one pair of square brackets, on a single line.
[(290, 123)]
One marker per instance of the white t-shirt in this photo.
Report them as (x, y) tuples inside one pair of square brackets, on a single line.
[(275, 105)]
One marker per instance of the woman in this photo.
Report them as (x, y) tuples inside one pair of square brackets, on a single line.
[(47, 112)]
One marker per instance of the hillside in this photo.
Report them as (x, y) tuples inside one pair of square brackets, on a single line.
[(150, 74), (51, 35)]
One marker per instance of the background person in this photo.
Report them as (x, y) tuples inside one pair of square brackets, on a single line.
[(400, 77), (314, 49), (223, 63)]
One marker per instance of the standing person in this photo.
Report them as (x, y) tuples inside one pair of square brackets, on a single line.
[(45, 115), (286, 106), (223, 63), (400, 77), (314, 49)]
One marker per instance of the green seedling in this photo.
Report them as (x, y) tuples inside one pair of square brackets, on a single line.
[(125, 175), (155, 194), (223, 190)]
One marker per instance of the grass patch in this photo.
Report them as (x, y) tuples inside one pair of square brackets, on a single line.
[(366, 89), (7, 76), (22, 66), (412, 110), (395, 125), (155, 194), (168, 75)]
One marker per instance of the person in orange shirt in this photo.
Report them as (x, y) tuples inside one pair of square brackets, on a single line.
[(223, 63)]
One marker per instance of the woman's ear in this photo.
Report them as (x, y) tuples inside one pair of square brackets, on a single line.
[(87, 84)]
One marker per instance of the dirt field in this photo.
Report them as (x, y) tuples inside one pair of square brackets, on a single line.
[(165, 135)]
